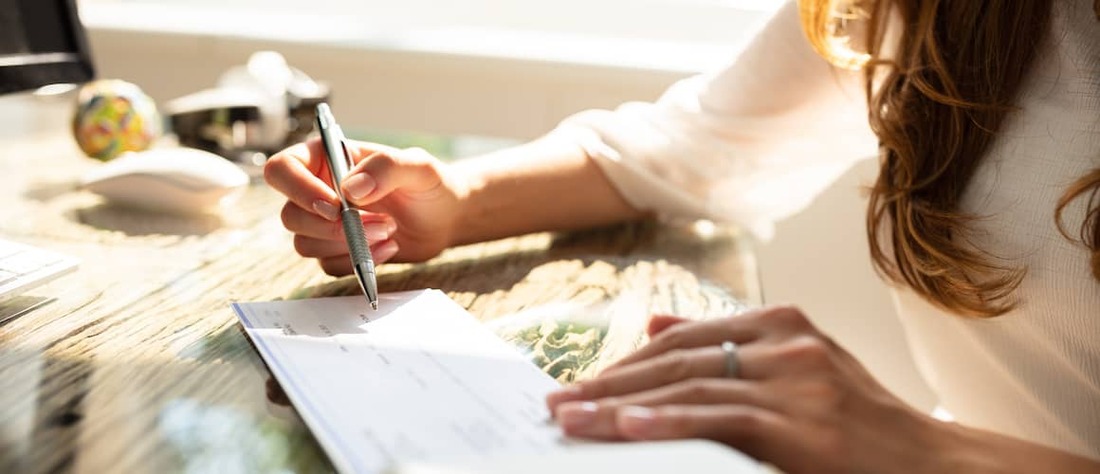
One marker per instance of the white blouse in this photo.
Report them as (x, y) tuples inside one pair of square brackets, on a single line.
[(757, 140)]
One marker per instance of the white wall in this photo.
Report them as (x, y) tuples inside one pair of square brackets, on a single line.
[(426, 65), (422, 91)]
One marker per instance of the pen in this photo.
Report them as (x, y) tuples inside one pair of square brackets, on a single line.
[(332, 137)]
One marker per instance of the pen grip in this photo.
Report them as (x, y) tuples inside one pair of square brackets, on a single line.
[(357, 240)]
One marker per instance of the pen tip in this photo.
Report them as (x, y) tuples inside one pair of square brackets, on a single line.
[(374, 305)]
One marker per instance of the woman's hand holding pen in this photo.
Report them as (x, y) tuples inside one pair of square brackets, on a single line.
[(409, 205)]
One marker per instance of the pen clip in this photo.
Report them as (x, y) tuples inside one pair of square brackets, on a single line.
[(347, 155)]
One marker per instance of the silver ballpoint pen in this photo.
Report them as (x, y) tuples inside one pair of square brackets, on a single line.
[(339, 163)]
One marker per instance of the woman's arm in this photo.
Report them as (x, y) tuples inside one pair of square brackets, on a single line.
[(548, 184), (972, 450), (414, 206), (751, 142)]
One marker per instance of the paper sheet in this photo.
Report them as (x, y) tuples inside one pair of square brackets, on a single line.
[(420, 379)]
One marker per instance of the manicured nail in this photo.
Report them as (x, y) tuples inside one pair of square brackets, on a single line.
[(566, 394), (577, 416), (326, 209), (359, 185), (376, 231), (637, 421)]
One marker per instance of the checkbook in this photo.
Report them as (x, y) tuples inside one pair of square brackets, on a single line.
[(421, 385)]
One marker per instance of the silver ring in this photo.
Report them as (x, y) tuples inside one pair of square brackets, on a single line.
[(733, 364)]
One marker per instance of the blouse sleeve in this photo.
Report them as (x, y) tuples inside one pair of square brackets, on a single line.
[(751, 143)]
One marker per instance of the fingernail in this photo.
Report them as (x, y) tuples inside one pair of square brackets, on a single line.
[(376, 231), (577, 416), (326, 209), (637, 421), (358, 186), (566, 394)]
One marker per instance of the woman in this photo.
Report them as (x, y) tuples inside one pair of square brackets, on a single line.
[(985, 215)]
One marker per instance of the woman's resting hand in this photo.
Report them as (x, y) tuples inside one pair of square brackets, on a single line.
[(798, 401)]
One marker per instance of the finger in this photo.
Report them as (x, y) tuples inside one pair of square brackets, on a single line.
[(300, 173), (598, 419), (275, 393), (382, 172), (778, 321), (302, 222), (689, 335), (802, 355), (384, 251), (666, 369), (361, 150), (336, 266), (658, 323), (748, 428), (311, 247), (341, 265)]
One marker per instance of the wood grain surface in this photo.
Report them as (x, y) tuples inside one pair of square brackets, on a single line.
[(135, 363)]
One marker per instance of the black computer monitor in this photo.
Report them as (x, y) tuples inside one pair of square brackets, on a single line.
[(42, 42)]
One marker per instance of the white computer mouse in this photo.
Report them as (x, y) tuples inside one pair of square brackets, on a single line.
[(178, 180)]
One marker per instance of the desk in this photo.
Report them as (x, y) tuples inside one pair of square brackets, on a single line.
[(139, 365)]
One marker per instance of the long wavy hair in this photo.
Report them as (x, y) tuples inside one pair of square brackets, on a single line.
[(937, 98)]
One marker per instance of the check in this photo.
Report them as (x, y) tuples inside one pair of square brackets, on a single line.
[(419, 380)]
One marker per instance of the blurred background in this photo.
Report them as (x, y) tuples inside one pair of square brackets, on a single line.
[(418, 70)]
